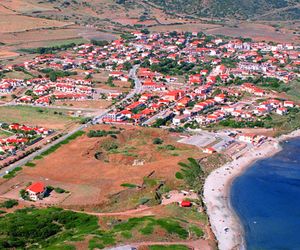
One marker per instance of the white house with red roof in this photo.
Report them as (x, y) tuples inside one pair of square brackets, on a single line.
[(288, 104), (281, 111), (36, 191)]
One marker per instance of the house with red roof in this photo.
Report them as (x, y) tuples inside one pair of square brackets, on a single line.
[(288, 104), (220, 98), (281, 111), (36, 191), (209, 150), (174, 95), (185, 204)]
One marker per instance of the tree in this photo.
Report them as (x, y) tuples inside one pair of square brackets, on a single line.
[(145, 31), (127, 66)]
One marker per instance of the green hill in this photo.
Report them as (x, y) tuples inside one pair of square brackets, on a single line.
[(243, 9)]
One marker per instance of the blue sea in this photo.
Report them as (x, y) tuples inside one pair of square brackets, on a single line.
[(267, 200)]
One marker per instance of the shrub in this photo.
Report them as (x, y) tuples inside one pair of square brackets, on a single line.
[(30, 164), (170, 147), (24, 194), (9, 203), (179, 175), (157, 141), (110, 145), (129, 185), (59, 190)]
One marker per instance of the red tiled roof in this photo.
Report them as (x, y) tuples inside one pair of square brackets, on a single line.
[(37, 187)]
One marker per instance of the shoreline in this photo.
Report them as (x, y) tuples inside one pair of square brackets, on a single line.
[(217, 193)]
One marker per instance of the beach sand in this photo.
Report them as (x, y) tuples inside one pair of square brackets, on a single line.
[(224, 222)]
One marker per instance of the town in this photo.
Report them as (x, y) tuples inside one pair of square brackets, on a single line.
[(134, 119), (180, 80)]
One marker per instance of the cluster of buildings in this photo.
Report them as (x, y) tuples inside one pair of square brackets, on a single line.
[(43, 91), (185, 77), (9, 85), (21, 137)]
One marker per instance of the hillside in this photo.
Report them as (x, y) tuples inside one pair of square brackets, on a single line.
[(244, 9)]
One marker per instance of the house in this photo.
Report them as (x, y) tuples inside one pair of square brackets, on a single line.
[(174, 95), (220, 98), (288, 104), (135, 106), (209, 150), (281, 111), (250, 138), (195, 79), (177, 120), (185, 204), (36, 191)]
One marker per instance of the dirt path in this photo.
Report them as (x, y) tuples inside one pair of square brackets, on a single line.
[(195, 245), (143, 210)]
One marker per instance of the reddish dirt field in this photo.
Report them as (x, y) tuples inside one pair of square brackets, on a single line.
[(16, 23), (90, 181), (40, 35), (4, 53)]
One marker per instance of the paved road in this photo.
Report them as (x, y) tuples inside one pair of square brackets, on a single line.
[(158, 115), (136, 90), (138, 85)]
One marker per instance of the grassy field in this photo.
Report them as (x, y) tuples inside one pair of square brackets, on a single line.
[(4, 134), (49, 118), (17, 75), (54, 228), (294, 91), (66, 41)]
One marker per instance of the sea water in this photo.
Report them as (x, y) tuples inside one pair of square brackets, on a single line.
[(267, 200)]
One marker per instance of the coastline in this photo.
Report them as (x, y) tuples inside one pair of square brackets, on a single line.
[(217, 193)]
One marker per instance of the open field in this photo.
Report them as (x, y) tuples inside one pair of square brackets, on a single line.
[(17, 23), (17, 75), (5, 53), (47, 36), (89, 104), (36, 116), (92, 181), (22, 6), (257, 32), (189, 27)]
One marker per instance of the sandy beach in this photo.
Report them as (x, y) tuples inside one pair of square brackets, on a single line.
[(224, 222)]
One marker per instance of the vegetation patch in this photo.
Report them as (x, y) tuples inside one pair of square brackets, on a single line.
[(129, 185), (12, 173), (30, 164), (42, 228), (102, 133), (9, 204)]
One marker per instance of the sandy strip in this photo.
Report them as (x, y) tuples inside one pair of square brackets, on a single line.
[(217, 188)]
